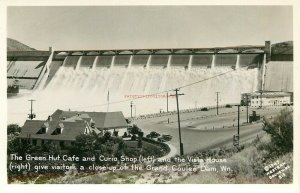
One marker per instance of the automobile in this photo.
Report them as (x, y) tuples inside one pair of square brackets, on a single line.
[(167, 137), (160, 139), (164, 138), (204, 109)]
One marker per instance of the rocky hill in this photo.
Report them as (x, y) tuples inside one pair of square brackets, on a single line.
[(283, 48), (14, 45)]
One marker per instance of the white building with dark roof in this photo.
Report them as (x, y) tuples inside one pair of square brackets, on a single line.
[(62, 127), (263, 99)]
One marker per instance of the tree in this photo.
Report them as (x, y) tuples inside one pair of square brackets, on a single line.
[(18, 147), (84, 144), (135, 129), (13, 129), (281, 131)]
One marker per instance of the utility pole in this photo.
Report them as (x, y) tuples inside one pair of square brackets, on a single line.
[(236, 138), (179, 130), (167, 102), (238, 121), (131, 108), (217, 103), (31, 115), (261, 91), (247, 108)]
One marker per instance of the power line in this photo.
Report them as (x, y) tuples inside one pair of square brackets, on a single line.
[(184, 86)]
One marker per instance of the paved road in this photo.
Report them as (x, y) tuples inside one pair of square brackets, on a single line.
[(204, 130)]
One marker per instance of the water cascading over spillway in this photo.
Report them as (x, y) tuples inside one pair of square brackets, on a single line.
[(83, 82)]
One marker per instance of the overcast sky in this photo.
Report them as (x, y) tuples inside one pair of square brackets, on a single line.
[(122, 27)]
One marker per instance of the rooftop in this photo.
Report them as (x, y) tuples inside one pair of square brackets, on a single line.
[(102, 120), (32, 129), (268, 94)]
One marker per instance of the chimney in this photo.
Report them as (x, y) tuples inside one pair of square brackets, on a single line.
[(50, 49), (49, 118)]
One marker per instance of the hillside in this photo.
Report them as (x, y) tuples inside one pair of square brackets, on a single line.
[(14, 45), (283, 48)]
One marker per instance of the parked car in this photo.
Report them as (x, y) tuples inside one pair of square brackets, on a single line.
[(167, 137), (160, 139), (204, 109), (228, 106), (164, 138), (153, 134)]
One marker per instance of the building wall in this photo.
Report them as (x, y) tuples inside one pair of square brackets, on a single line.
[(270, 101), (120, 131)]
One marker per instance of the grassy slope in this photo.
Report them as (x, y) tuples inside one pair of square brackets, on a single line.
[(250, 164)]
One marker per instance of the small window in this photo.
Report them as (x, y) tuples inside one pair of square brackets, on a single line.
[(43, 130), (57, 131)]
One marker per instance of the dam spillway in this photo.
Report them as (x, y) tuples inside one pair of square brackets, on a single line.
[(82, 79)]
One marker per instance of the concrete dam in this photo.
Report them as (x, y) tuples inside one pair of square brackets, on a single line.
[(28, 66), (90, 79)]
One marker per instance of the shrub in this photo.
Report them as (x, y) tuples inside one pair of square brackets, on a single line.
[(135, 129), (281, 131), (133, 138)]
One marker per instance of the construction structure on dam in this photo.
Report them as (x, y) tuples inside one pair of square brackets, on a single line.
[(29, 67)]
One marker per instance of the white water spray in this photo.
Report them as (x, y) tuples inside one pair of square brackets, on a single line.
[(85, 89)]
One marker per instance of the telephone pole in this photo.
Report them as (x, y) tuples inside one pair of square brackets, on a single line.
[(131, 108), (236, 138), (31, 115), (217, 103), (238, 121), (179, 129), (167, 102), (247, 108), (261, 92)]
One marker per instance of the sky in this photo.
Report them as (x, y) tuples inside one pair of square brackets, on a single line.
[(138, 27)]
